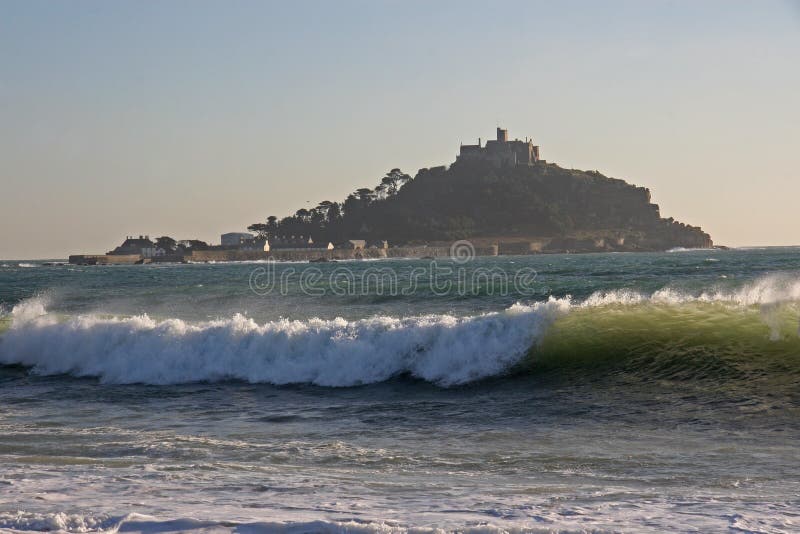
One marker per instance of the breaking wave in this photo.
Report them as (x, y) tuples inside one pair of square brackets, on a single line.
[(62, 522), (743, 333), (443, 349)]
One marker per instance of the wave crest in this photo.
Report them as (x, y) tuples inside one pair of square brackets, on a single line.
[(61, 522), (442, 349)]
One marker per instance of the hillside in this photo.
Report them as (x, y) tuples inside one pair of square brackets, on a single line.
[(571, 209)]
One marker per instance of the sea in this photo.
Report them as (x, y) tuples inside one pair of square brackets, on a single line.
[(626, 392)]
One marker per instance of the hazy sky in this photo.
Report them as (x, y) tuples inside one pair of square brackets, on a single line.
[(192, 118)]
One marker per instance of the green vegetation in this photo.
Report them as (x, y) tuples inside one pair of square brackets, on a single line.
[(171, 246), (476, 200)]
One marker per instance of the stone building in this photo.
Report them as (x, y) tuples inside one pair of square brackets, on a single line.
[(133, 245), (235, 239), (501, 152)]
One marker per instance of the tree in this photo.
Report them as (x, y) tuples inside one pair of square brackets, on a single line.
[(365, 195), (394, 180), (260, 228), (323, 208), (317, 219), (272, 226), (334, 214), (166, 243)]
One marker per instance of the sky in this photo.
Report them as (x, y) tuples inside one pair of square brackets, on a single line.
[(195, 118)]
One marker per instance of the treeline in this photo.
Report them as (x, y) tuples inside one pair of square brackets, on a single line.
[(170, 245), (337, 221)]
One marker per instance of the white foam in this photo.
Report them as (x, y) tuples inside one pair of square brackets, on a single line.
[(765, 291), (442, 349), (58, 521), (643, 515), (29, 310), (684, 249), (21, 521)]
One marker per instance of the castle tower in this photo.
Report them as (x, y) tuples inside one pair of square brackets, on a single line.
[(502, 135)]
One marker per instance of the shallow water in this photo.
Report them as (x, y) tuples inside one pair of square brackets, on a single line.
[(620, 392)]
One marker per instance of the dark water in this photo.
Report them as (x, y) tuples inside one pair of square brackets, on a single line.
[(611, 392)]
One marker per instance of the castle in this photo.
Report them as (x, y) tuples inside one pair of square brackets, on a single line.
[(501, 152)]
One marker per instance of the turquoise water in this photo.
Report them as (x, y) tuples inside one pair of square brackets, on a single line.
[(609, 392)]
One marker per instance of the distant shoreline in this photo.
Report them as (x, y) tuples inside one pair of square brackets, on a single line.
[(65, 261), (322, 256)]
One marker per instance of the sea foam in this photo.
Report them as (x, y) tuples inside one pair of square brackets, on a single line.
[(442, 349), (146, 524)]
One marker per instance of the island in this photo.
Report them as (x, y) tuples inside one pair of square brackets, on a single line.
[(500, 195)]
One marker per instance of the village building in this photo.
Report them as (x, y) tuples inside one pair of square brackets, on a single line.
[(235, 239), (133, 245)]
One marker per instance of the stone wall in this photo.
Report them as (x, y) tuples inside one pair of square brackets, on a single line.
[(286, 255), (335, 254), (226, 255), (419, 252), (105, 259)]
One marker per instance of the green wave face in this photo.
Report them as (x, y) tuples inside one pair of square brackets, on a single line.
[(5, 323), (675, 342)]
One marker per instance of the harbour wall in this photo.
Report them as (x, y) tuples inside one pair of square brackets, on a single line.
[(318, 254), (105, 259)]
